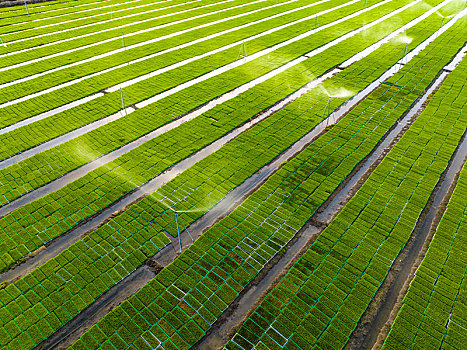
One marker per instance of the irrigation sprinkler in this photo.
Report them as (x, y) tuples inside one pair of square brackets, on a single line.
[(26, 5), (175, 221), (219, 13), (317, 22), (328, 109), (123, 101), (403, 54), (242, 53), (441, 26), (405, 51)]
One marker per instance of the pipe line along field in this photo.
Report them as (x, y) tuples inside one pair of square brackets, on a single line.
[(233, 174)]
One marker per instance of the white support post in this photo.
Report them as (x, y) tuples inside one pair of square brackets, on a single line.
[(327, 109), (242, 53), (123, 101), (178, 232), (187, 231)]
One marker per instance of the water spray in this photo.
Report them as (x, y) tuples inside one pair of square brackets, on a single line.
[(2, 43)]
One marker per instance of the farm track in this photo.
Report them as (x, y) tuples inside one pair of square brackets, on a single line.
[(443, 251), (388, 142), (65, 337)]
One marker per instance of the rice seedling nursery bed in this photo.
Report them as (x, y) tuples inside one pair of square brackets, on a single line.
[(165, 108)]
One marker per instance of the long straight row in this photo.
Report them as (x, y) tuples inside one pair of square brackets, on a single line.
[(128, 8), (44, 166), (51, 9), (180, 304), (433, 313), (126, 241), (207, 114), (96, 141), (83, 298), (99, 40), (27, 228), (219, 51), (320, 300)]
